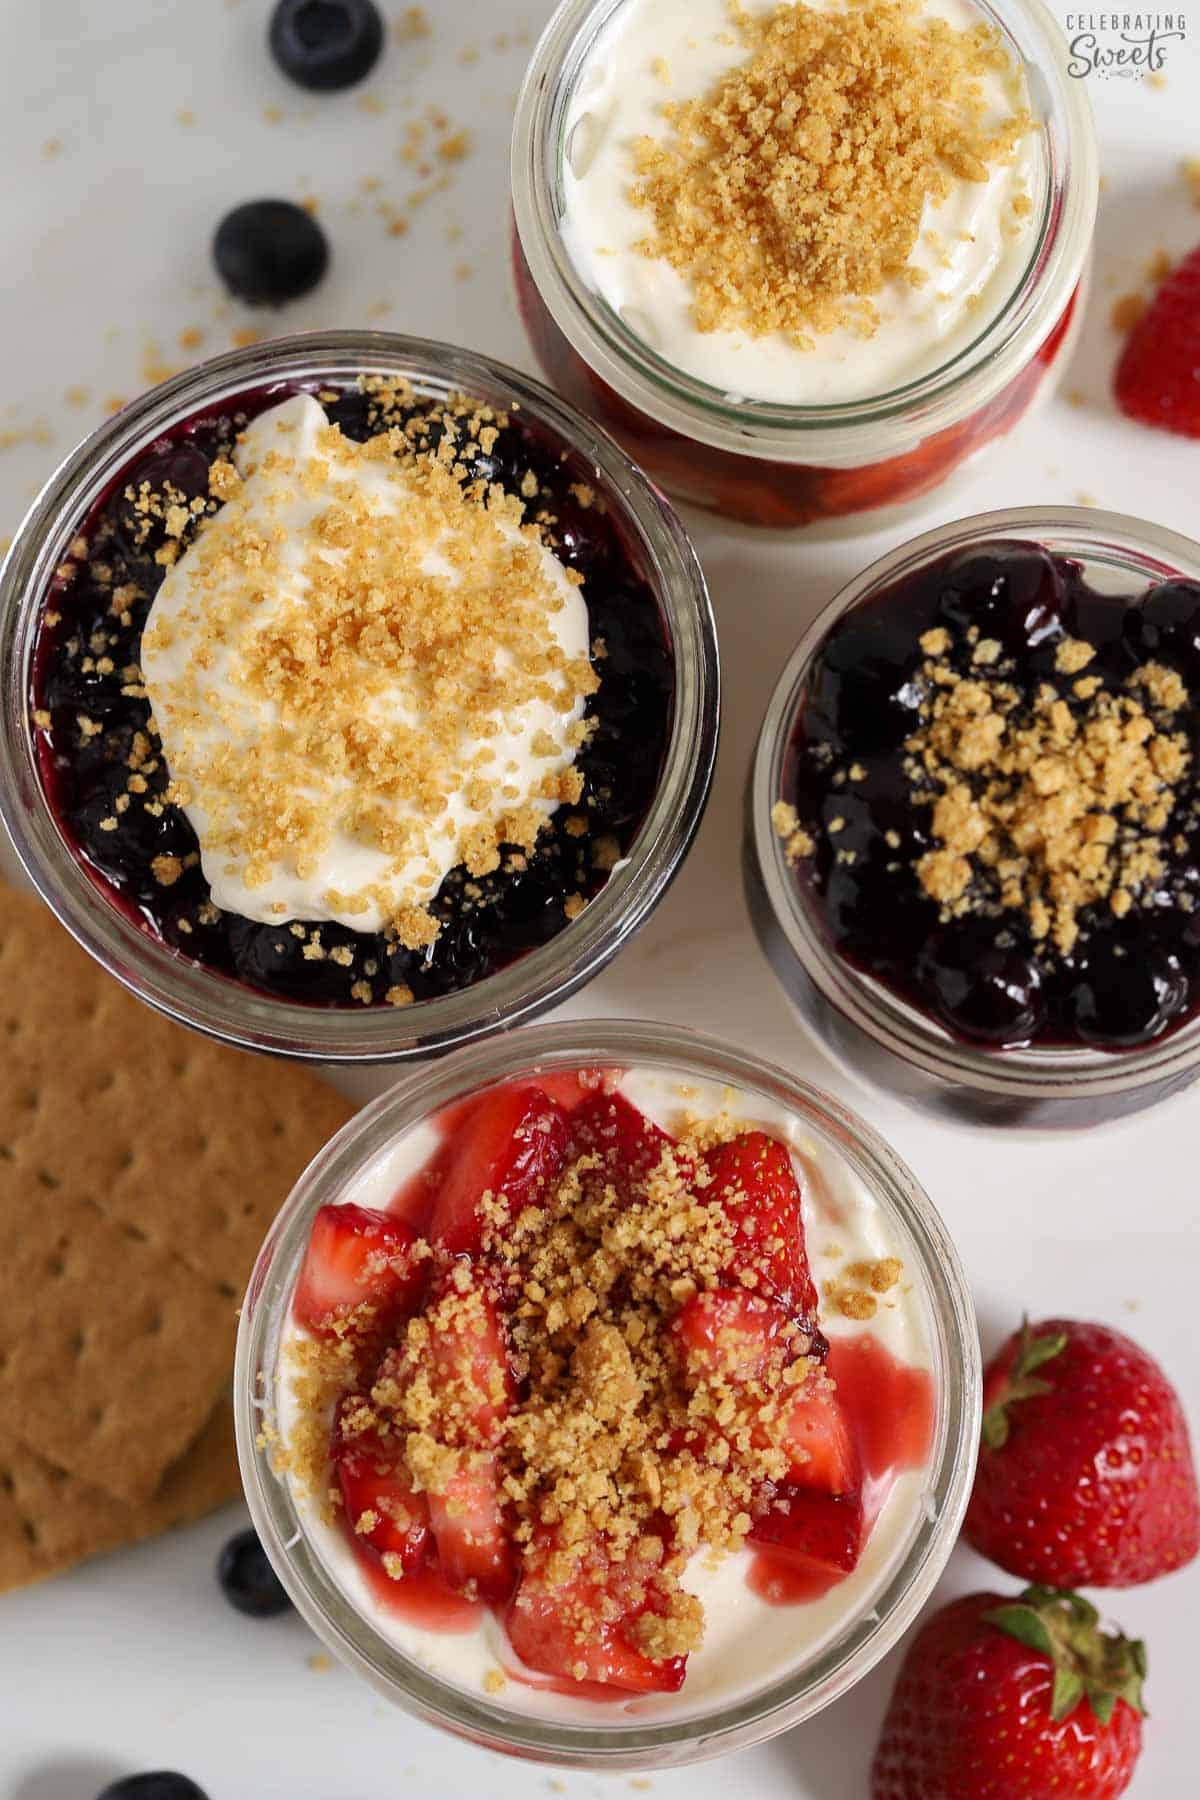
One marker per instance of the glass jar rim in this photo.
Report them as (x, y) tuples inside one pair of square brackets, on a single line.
[(954, 1349), (1069, 1072), (217, 1005), (877, 426)]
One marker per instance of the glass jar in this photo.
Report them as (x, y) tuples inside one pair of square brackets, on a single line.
[(877, 1036), (359, 1160), (656, 547), (787, 466)]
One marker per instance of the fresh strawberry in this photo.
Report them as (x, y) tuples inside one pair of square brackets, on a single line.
[(754, 1179), (1085, 1473), (813, 1529), (511, 1145), (381, 1508), (356, 1259), (741, 1337), (466, 1358), (573, 1614), (1013, 1700), (1158, 375), (610, 1126), (818, 1433), (731, 1333), (474, 1549)]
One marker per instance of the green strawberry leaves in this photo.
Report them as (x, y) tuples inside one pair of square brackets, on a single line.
[(1099, 1666), (1033, 1353)]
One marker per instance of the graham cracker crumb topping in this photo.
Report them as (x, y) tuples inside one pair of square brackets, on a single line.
[(794, 189), (1039, 806)]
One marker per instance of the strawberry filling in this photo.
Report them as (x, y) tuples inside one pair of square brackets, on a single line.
[(601, 1356)]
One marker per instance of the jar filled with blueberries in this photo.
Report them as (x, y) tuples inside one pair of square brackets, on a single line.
[(972, 816)]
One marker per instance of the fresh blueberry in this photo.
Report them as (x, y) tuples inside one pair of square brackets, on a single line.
[(247, 1579), (983, 986), (1166, 625), (269, 251), (158, 1784), (326, 44), (1126, 991)]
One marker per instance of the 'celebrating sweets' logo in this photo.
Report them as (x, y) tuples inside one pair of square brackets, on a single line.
[(1121, 43)]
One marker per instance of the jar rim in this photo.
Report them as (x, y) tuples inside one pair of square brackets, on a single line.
[(1117, 541), (218, 1005), (880, 425), (953, 1347)]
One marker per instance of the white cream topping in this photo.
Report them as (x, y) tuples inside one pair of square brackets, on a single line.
[(747, 1641), (972, 248), (526, 742)]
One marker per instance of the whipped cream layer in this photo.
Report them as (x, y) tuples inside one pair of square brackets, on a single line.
[(748, 1642), (972, 247), (216, 624)]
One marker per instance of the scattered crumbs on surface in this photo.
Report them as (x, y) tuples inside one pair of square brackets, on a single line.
[(1133, 1306), (310, 203), (1125, 311), (37, 433), (468, 55), (556, 1785), (1159, 266), (77, 396), (463, 271), (454, 147), (115, 403), (371, 103), (641, 1784), (185, 116), (190, 338), (1156, 80), (273, 115), (155, 368), (379, 309), (5, 545), (1084, 498), (244, 336), (413, 22), (52, 147), (318, 1662)]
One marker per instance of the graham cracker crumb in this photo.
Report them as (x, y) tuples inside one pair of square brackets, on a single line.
[(797, 843), (1125, 311), (794, 189)]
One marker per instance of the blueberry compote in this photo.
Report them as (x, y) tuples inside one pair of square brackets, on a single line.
[(1059, 903), (105, 776)]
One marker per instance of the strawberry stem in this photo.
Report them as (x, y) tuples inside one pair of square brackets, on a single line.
[(1023, 1381), (1099, 1666)]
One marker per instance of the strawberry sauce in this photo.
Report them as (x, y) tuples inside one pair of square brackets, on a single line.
[(422, 1598), (891, 1410)]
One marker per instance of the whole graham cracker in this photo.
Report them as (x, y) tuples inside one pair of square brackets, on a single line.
[(194, 1144), (140, 1167), (50, 1520)]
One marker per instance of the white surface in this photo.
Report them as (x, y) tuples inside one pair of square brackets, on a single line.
[(350, 876), (136, 1661), (968, 248), (747, 1641)]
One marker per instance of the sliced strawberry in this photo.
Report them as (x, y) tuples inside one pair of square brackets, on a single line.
[(357, 1258), (813, 1529), (572, 1619), (754, 1179), (610, 1126), (475, 1552), (382, 1510), (511, 1144), (818, 1433), (467, 1360), (1158, 376), (733, 1333)]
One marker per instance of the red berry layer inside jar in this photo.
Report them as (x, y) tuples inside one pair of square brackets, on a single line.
[(574, 1353), (107, 780), (990, 800)]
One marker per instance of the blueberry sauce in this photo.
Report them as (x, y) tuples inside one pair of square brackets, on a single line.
[(983, 974), (91, 717)]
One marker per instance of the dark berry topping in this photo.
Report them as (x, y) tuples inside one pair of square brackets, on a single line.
[(247, 1579), (998, 800), (326, 44), (268, 252), (158, 1784)]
